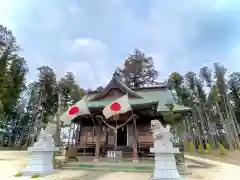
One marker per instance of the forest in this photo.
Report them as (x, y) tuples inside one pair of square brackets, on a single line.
[(24, 108)]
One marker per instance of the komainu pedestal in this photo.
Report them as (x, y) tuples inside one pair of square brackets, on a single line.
[(40, 156), (40, 162), (165, 163)]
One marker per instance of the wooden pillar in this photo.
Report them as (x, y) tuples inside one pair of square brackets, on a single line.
[(77, 135), (79, 132), (116, 118), (71, 151), (98, 136), (135, 137)]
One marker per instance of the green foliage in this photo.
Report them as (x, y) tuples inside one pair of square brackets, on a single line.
[(13, 70), (190, 79), (200, 148), (206, 75), (35, 176), (68, 90), (139, 70), (191, 147), (47, 92), (175, 80), (208, 147), (234, 94), (54, 159), (18, 174), (2, 113), (168, 117), (222, 149)]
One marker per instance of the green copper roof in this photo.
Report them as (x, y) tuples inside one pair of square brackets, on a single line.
[(159, 96), (163, 97), (153, 95), (132, 102), (177, 108)]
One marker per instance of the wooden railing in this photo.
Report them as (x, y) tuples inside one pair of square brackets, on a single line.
[(145, 141), (91, 140)]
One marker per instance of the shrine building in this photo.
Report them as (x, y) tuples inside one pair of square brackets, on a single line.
[(95, 136)]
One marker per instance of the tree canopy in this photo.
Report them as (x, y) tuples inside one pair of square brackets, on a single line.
[(139, 70)]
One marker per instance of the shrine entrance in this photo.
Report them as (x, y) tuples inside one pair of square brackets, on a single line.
[(122, 136)]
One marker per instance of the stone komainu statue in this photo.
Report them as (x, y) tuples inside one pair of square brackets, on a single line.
[(45, 137), (164, 138), (161, 134)]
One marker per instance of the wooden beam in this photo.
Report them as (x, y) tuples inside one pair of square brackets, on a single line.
[(135, 153), (98, 136)]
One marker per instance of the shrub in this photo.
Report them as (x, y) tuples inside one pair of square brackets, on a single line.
[(200, 148), (191, 147), (35, 176), (18, 174), (208, 147), (222, 149)]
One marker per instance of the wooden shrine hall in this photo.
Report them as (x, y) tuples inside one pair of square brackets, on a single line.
[(95, 135)]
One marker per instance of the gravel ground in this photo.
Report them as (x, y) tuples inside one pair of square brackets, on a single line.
[(12, 161)]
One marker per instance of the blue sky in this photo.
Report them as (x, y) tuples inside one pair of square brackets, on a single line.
[(93, 37)]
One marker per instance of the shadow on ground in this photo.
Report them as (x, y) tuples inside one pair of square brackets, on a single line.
[(7, 159), (91, 175), (196, 164)]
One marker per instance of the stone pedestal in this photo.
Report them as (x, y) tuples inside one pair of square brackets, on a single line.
[(165, 163), (40, 161)]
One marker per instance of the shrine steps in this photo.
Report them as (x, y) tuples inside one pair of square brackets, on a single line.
[(111, 166), (127, 152), (143, 166)]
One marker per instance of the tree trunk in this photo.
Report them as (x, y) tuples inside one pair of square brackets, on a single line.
[(234, 124), (231, 125), (200, 129), (208, 127), (197, 130), (222, 120)]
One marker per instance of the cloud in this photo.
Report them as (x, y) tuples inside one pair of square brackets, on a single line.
[(89, 46), (88, 61), (194, 34), (91, 39)]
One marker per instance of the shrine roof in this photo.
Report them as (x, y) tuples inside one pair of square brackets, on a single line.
[(152, 95)]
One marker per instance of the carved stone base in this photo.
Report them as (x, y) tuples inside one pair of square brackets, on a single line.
[(40, 162), (40, 173), (165, 167)]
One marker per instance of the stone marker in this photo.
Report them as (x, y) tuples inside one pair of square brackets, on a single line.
[(165, 163)]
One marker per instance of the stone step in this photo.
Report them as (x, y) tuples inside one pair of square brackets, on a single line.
[(116, 168), (110, 167)]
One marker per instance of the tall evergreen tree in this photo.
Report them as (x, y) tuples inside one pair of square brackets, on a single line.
[(139, 70)]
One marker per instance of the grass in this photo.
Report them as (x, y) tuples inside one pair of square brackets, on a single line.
[(35, 176), (18, 174)]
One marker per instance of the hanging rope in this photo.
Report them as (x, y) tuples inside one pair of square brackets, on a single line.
[(117, 127)]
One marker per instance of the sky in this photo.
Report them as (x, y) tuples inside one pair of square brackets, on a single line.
[(91, 38)]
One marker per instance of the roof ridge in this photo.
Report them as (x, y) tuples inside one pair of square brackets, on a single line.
[(122, 87)]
